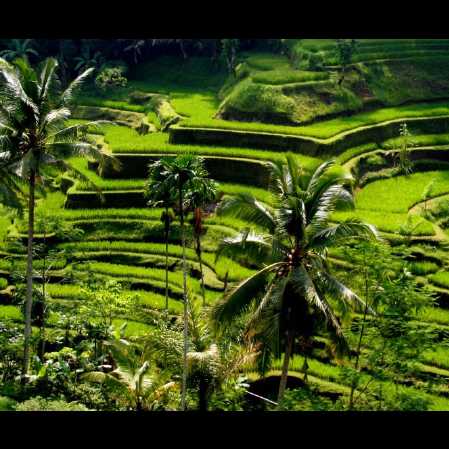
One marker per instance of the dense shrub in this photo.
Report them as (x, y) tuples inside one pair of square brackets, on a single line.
[(7, 404), (265, 103), (110, 78), (50, 405)]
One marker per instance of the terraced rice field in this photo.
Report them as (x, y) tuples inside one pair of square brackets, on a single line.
[(126, 243)]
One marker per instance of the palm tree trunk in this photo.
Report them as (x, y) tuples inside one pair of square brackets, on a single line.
[(202, 396), (184, 272), (44, 306), (29, 276), (288, 350), (166, 259)]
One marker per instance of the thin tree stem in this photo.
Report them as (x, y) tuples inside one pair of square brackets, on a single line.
[(198, 246), (29, 276), (184, 270), (166, 259)]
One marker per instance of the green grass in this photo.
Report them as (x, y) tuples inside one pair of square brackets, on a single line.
[(438, 356), (122, 139), (107, 103), (5, 222), (333, 373), (390, 222), (138, 184), (418, 140), (133, 328), (400, 193), (127, 271), (279, 77), (423, 268), (331, 128), (104, 184), (434, 315), (148, 299), (347, 155), (441, 279), (10, 313), (236, 272)]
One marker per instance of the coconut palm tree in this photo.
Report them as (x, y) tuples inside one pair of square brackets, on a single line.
[(158, 195), (294, 284), (19, 49), (33, 123), (197, 199), (183, 174)]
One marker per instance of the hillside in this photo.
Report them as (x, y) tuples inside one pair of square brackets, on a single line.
[(97, 219)]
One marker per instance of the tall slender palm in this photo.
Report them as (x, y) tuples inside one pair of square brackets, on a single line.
[(197, 199), (294, 285), (33, 120), (183, 174), (19, 49), (159, 194)]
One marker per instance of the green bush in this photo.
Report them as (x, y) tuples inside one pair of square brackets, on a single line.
[(110, 78), (7, 404), (39, 404), (374, 161), (264, 103)]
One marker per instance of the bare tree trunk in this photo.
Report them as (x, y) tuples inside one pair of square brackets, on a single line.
[(288, 350), (184, 271), (29, 276)]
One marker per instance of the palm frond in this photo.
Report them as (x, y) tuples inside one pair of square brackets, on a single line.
[(246, 207), (46, 77), (235, 302), (15, 87), (305, 288), (269, 307), (349, 229), (255, 247), (68, 95), (317, 178), (346, 297), (336, 195)]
